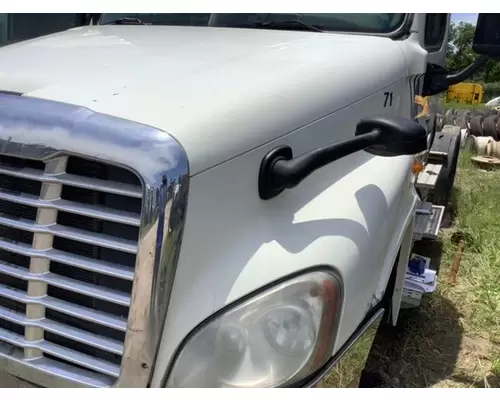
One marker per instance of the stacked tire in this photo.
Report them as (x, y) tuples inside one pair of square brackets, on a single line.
[(477, 122), (491, 126), (486, 124)]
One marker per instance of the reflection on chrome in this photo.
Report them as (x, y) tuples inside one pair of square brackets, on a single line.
[(50, 132)]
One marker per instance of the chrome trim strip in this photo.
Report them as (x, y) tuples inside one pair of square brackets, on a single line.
[(46, 130), (344, 369)]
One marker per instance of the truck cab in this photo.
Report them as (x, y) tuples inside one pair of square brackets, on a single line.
[(217, 200)]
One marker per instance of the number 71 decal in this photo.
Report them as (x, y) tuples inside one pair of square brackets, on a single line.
[(387, 99)]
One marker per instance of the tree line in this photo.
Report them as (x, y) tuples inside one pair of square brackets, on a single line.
[(459, 55)]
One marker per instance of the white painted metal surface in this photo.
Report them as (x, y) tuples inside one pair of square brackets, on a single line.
[(350, 215), (246, 87)]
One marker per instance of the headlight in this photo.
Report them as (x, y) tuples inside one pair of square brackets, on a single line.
[(276, 338)]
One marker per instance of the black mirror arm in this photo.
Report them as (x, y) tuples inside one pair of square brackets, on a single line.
[(467, 72), (287, 174), (280, 171), (385, 136), (438, 80)]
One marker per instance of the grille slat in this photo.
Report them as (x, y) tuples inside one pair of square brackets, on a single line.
[(106, 268), (80, 235), (122, 189), (62, 353), (65, 307), (100, 212), (113, 296), (68, 242), (78, 335)]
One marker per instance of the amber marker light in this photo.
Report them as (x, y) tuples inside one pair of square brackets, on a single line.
[(417, 167)]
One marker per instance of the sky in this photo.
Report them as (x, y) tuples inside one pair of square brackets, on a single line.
[(471, 18)]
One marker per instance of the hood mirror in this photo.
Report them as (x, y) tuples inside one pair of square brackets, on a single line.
[(397, 136), (486, 44)]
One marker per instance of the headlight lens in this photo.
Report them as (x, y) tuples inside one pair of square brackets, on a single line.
[(276, 338)]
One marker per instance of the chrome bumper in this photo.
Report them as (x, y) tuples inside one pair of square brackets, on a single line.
[(344, 370)]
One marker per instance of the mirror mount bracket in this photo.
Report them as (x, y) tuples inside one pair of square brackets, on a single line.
[(279, 170), (266, 188), (380, 136), (437, 79)]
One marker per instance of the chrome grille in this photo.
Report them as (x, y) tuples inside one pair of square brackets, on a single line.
[(68, 242)]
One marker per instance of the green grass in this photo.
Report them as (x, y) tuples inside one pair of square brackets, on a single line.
[(461, 106), (453, 339), (478, 212)]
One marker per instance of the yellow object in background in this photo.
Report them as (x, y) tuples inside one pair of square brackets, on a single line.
[(465, 93)]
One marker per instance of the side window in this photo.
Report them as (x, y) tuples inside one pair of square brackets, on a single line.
[(435, 30)]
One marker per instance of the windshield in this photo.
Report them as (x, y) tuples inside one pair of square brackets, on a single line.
[(363, 23)]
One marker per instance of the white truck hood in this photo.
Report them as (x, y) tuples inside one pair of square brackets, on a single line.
[(220, 91)]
